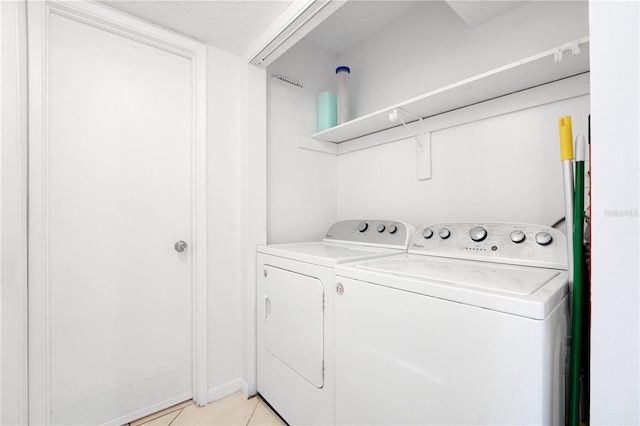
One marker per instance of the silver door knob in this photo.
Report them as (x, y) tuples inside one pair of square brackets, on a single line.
[(180, 246)]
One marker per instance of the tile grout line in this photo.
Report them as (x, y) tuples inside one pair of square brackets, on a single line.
[(176, 417), (252, 413), (157, 415)]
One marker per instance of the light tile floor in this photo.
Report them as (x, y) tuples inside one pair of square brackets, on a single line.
[(234, 410)]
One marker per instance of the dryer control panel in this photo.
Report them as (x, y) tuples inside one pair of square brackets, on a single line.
[(512, 243), (377, 233)]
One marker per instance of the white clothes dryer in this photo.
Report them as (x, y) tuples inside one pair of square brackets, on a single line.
[(469, 327), (295, 314)]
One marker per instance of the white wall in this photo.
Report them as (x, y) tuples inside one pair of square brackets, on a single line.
[(431, 47), (301, 184), (224, 83), (504, 169), (13, 280), (615, 330), (254, 208), (501, 169)]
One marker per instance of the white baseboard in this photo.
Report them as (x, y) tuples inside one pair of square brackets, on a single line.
[(227, 389), (245, 389)]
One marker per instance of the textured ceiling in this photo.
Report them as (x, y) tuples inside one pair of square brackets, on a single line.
[(230, 25)]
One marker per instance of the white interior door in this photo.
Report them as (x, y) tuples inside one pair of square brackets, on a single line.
[(111, 194)]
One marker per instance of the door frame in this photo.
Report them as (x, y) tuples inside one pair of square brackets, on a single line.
[(115, 22)]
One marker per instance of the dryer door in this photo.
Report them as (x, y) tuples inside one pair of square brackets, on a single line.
[(294, 321)]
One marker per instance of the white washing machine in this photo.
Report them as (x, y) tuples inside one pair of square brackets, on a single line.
[(469, 327), (295, 314)]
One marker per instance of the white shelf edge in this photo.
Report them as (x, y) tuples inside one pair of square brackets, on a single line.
[(393, 134), (333, 135), (568, 88), (306, 142)]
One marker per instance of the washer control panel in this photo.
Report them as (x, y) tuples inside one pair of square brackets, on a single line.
[(379, 233), (518, 244)]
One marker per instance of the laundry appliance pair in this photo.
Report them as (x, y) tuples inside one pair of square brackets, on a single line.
[(463, 323)]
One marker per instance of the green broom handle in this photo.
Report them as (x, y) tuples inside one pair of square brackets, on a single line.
[(578, 278)]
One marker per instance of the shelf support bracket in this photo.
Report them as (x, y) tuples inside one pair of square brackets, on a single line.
[(423, 156), (423, 143)]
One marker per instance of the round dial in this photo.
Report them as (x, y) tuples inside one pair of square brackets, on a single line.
[(427, 233), (380, 228), (543, 238), (517, 236), (444, 233), (363, 226), (478, 233), (392, 229)]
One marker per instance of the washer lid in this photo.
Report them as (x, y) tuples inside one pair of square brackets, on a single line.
[(481, 275), (325, 254), (519, 290)]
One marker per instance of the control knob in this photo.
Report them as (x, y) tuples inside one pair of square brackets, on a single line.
[(543, 238), (392, 229), (517, 236), (427, 233), (444, 233), (478, 233), (380, 228), (363, 226)]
